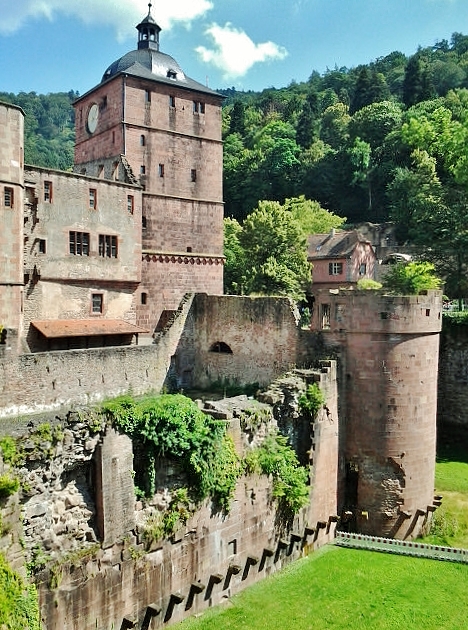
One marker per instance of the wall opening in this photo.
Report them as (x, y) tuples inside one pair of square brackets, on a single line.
[(220, 347)]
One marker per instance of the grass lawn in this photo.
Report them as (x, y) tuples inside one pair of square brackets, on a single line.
[(339, 588), (450, 526)]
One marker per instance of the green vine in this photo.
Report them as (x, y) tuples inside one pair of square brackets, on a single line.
[(173, 426), (312, 400), (163, 524), (275, 457)]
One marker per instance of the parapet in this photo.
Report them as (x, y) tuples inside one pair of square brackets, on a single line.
[(352, 311)]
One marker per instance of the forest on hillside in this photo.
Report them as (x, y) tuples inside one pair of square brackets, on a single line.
[(387, 140)]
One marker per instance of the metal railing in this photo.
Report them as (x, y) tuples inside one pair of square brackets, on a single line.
[(402, 547)]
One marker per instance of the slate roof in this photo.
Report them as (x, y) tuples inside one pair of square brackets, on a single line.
[(147, 63), (333, 245)]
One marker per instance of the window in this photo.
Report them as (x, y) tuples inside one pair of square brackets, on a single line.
[(171, 74), (171, 101), (42, 246), (161, 170), (107, 246), (100, 173), (79, 243), (130, 203), (189, 249), (97, 300), (8, 197), (198, 108), (143, 223), (144, 298), (193, 175), (142, 141), (147, 96), (362, 269), (325, 315), (104, 103), (93, 198), (142, 169), (335, 269), (48, 191)]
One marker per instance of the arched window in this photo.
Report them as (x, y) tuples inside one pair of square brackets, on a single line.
[(221, 348)]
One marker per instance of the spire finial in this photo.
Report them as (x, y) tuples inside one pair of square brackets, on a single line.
[(149, 7)]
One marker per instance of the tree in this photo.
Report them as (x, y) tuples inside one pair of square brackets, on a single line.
[(411, 278), (312, 218)]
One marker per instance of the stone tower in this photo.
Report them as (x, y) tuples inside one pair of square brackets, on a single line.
[(147, 122), (11, 215), (389, 349)]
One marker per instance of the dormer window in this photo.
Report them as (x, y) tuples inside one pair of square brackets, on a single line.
[(171, 74)]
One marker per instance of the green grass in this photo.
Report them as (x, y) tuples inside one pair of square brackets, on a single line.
[(340, 588), (450, 523)]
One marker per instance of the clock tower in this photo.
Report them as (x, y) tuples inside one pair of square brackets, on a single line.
[(148, 123)]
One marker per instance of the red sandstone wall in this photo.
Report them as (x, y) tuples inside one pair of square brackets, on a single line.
[(11, 217), (389, 388)]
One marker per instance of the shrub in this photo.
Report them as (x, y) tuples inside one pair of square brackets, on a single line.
[(290, 480), (312, 400), (411, 278), (8, 485), (367, 284), (19, 607)]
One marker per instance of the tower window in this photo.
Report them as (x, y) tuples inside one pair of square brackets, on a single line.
[(130, 204), (142, 141), (198, 108), (107, 246), (147, 96), (161, 170), (142, 169), (144, 298), (93, 198), (193, 175), (97, 302), (8, 197), (171, 101), (42, 246), (143, 223), (79, 243), (48, 191)]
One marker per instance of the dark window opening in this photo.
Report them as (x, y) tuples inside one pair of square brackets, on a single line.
[(143, 223), (325, 315), (79, 243), (171, 101), (48, 191), (42, 246), (193, 175), (93, 198), (147, 96), (161, 170), (142, 141), (171, 74), (221, 347), (144, 298), (142, 169), (335, 269), (107, 246), (97, 300), (130, 204), (9, 197), (189, 249)]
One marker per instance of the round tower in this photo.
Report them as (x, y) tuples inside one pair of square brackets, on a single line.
[(389, 349)]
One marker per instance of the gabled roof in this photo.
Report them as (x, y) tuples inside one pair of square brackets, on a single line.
[(334, 244)]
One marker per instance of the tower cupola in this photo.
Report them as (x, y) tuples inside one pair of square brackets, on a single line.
[(148, 32)]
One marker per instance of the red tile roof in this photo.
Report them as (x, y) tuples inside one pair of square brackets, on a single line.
[(51, 328)]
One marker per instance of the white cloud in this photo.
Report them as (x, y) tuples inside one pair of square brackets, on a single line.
[(123, 15), (234, 53)]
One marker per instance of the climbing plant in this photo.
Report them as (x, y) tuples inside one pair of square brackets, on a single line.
[(275, 457), (173, 426)]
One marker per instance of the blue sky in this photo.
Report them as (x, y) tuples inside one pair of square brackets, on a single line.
[(60, 45)]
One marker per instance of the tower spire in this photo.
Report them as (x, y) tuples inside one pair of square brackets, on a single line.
[(148, 31)]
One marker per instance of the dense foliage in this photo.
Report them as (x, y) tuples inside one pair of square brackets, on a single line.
[(411, 278), (49, 127), (173, 426), (290, 480), (19, 607)]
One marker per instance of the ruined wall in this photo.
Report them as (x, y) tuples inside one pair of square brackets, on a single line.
[(453, 376), (70, 377), (237, 340), (211, 557), (389, 363)]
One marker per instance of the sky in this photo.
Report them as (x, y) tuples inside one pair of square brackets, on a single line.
[(61, 45)]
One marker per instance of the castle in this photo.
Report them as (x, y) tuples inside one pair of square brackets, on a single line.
[(111, 281)]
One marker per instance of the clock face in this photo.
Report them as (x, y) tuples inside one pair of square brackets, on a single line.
[(93, 116)]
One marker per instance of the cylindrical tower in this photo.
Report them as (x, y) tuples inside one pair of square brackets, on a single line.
[(389, 348)]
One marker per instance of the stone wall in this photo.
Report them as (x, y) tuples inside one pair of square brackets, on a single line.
[(453, 376), (211, 557), (237, 340)]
